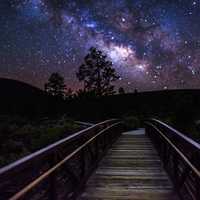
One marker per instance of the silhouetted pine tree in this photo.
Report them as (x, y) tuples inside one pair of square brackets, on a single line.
[(97, 73), (55, 85)]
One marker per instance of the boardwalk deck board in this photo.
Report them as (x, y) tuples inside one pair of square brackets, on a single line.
[(131, 170)]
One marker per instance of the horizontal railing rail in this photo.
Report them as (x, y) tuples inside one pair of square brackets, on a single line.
[(59, 167), (180, 156)]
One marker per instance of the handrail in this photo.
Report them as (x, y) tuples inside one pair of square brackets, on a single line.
[(180, 155), (174, 131), (21, 173), (45, 175), (193, 168), (38, 154), (189, 147)]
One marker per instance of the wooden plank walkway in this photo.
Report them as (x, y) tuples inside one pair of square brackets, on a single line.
[(131, 170)]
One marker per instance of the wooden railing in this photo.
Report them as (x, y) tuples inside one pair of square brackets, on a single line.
[(60, 170), (180, 156)]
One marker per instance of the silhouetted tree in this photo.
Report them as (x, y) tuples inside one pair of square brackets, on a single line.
[(121, 90), (97, 73), (55, 85)]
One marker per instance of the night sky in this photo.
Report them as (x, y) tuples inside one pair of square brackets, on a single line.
[(153, 44)]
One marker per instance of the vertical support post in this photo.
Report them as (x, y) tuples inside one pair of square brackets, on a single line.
[(175, 168), (165, 154), (104, 141), (83, 165), (96, 149), (52, 179), (197, 195)]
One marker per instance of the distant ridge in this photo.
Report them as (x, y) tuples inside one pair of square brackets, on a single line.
[(183, 102), (17, 97), (6, 83)]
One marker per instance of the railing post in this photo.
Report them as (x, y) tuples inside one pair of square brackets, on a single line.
[(104, 142), (96, 149), (52, 181), (164, 154), (175, 168), (83, 165), (197, 188)]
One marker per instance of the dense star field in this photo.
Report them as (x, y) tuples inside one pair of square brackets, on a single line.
[(153, 44)]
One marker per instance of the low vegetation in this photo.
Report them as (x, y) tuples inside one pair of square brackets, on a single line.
[(189, 127), (20, 136), (131, 122)]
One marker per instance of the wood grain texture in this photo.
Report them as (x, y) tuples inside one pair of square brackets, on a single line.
[(131, 170)]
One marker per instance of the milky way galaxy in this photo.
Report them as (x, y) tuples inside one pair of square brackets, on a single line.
[(153, 44)]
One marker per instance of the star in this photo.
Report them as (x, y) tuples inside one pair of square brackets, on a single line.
[(146, 44), (194, 3), (123, 19)]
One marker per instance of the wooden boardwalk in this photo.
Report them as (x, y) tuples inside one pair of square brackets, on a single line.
[(131, 170)]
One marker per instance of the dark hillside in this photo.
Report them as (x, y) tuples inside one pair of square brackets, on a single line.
[(21, 98), (180, 108), (155, 103)]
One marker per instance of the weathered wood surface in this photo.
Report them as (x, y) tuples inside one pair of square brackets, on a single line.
[(131, 170)]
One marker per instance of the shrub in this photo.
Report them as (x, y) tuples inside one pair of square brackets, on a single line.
[(20, 139), (131, 122)]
